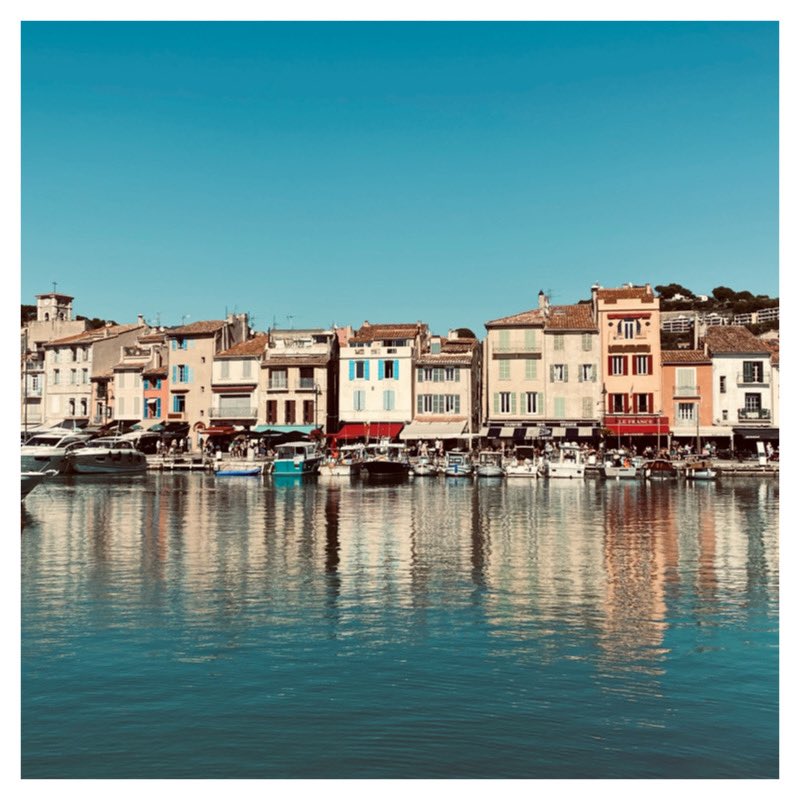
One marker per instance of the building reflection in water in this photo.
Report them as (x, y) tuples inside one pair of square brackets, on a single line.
[(585, 570)]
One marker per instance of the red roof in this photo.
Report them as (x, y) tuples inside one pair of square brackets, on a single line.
[(371, 430)]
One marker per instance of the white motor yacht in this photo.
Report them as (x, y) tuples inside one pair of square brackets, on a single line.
[(49, 450), (568, 462), (490, 464), (107, 454)]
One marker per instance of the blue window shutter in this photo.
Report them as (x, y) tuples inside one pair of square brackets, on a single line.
[(380, 370), (188, 374), (158, 408), (366, 370), (396, 369), (352, 369), (174, 374)]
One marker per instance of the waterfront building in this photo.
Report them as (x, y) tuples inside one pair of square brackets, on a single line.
[(234, 383), (687, 389), (541, 375), (775, 378), (376, 379), (447, 389), (741, 372), (128, 376), (155, 383), (80, 369), (53, 321), (298, 381), (573, 399), (628, 319), (191, 350)]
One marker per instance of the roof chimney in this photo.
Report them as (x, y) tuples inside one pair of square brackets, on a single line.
[(542, 299), (140, 320)]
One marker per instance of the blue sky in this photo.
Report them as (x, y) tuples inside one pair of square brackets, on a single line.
[(336, 172)]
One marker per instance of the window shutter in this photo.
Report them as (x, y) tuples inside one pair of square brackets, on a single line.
[(396, 369), (513, 403), (158, 407), (610, 365), (539, 402), (420, 374), (523, 409), (552, 373), (610, 404), (174, 374), (580, 375), (496, 402), (419, 404), (624, 365), (625, 403), (188, 374), (635, 365), (594, 372), (649, 365), (457, 374), (650, 401), (566, 373), (352, 369), (366, 370), (380, 370)]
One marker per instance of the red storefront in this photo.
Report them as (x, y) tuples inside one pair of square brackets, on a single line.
[(624, 425)]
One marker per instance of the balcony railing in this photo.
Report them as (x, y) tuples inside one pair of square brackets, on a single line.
[(278, 385), (34, 391), (686, 391), (306, 383), (744, 379), (517, 346), (759, 414), (236, 412)]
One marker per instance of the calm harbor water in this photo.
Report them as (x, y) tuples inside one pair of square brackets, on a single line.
[(183, 626)]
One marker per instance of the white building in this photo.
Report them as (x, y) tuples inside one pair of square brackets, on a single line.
[(376, 378)]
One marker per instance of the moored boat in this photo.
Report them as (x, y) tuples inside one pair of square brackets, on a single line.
[(30, 480), (521, 468), (490, 464), (45, 451), (700, 471), (240, 472), (296, 458), (346, 462), (457, 464), (618, 465), (569, 462), (106, 455), (660, 469), (386, 460), (424, 466)]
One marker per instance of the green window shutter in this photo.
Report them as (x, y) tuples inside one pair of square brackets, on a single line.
[(513, 403), (566, 373), (552, 374), (496, 402), (530, 369), (558, 407), (530, 339), (594, 373), (522, 407), (539, 402)]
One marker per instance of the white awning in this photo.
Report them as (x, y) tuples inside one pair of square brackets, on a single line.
[(433, 430)]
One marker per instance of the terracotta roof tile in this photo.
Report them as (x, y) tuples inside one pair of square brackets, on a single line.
[(94, 334), (402, 330), (203, 326), (574, 317), (733, 339), (684, 357), (252, 347), (533, 317), (445, 359), (626, 293), (774, 346)]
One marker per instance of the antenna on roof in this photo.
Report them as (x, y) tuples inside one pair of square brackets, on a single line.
[(290, 317), (184, 318)]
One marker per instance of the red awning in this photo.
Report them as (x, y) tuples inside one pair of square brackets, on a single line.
[(637, 425), (223, 430), (371, 430)]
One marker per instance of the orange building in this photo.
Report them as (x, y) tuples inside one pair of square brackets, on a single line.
[(628, 319), (687, 388)]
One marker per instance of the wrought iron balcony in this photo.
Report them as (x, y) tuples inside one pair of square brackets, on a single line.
[(749, 379), (236, 412), (757, 414)]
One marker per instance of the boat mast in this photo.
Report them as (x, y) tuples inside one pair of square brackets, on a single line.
[(25, 386)]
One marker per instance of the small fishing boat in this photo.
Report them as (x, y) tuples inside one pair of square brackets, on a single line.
[(424, 466), (296, 458), (490, 464), (618, 465), (457, 464), (106, 455), (660, 469), (242, 471), (521, 468), (345, 463), (569, 462), (700, 471)]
